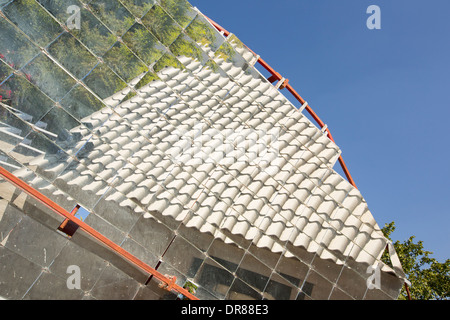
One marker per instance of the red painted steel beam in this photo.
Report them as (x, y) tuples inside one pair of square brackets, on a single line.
[(94, 233), (276, 76)]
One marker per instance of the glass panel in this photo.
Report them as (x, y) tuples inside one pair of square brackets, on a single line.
[(253, 272), (204, 34), (50, 78), (5, 71), (279, 289), (214, 278), (6, 161), (138, 7), (12, 129), (93, 33), (183, 46), (124, 62), (143, 85), (352, 283), (61, 128), (15, 48), (184, 257), (228, 255), (167, 60), (151, 235), (180, 10), (104, 82), (81, 103), (33, 20), (114, 284), (316, 286), (59, 8), (327, 264), (292, 269), (241, 291), (143, 43), (161, 25), (72, 55), (25, 97), (113, 14), (41, 155)]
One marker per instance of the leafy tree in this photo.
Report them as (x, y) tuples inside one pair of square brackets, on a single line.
[(430, 279)]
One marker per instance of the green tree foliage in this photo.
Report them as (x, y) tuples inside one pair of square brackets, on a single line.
[(180, 10), (430, 279), (124, 62), (15, 48), (32, 19), (138, 7), (183, 47), (116, 42), (113, 14), (161, 25), (72, 55), (143, 43), (199, 31)]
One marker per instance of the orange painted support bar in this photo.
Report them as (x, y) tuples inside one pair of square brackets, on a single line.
[(276, 76), (169, 283)]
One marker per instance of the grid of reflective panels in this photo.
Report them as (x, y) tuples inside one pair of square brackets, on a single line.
[(159, 126)]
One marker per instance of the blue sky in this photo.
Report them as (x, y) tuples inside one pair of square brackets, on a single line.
[(384, 94)]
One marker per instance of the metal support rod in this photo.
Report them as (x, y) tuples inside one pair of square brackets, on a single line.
[(407, 291)]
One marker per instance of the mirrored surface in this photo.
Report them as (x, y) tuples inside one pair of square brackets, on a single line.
[(181, 152)]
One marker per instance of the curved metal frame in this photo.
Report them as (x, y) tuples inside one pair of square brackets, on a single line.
[(275, 76)]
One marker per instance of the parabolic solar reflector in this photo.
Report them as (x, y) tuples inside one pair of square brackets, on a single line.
[(158, 132)]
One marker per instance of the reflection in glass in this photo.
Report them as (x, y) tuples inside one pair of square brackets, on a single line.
[(15, 48), (81, 103), (183, 46), (103, 81), (5, 71), (143, 43), (204, 34), (138, 7), (33, 20), (113, 14), (241, 291), (93, 33), (20, 94), (72, 55), (59, 127), (40, 154), (181, 11), (167, 60), (161, 25), (13, 130), (214, 278), (120, 59), (49, 77)]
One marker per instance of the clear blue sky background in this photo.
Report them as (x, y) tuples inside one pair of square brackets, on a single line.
[(385, 94)]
